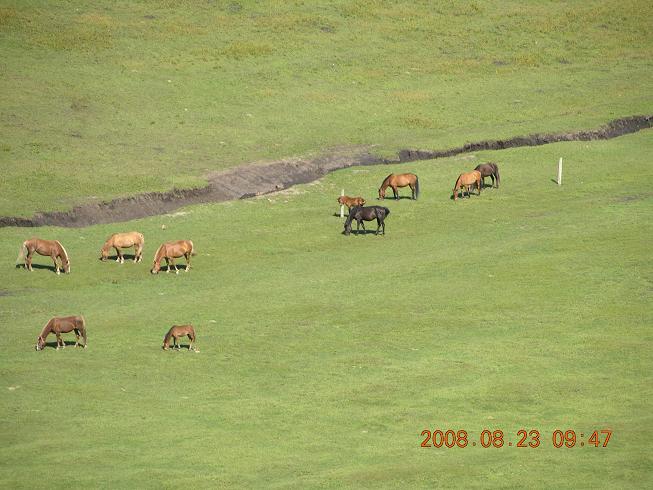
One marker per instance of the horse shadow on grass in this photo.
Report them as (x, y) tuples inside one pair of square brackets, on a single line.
[(67, 343), (124, 256), (50, 268), (363, 232)]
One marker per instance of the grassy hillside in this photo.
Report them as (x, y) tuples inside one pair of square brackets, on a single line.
[(323, 357), (99, 100)]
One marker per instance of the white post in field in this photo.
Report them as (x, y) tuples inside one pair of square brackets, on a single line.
[(560, 171), (342, 206)]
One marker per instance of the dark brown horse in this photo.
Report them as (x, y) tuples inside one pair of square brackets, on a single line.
[(369, 213), (489, 169), (467, 180), (124, 240), (176, 332), (350, 202), (400, 180), (48, 248), (171, 251), (59, 325)]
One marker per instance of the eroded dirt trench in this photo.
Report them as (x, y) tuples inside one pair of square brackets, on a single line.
[(257, 179)]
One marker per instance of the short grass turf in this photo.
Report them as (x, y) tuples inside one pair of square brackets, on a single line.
[(107, 99), (323, 357)]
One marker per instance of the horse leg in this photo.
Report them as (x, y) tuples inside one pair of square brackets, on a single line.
[(395, 191), (412, 190), (172, 260), (77, 338), (28, 261), (167, 265), (187, 261), (190, 337), (56, 264), (60, 341), (117, 253), (378, 226)]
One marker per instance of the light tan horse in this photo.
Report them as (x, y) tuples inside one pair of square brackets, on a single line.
[(171, 251), (400, 180), (467, 180), (176, 332), (48, 248), (124, 240), (59, 325), (351, 201)]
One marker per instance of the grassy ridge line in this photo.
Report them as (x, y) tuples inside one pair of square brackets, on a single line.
[(323, 357), (107, 101), (252, 180)]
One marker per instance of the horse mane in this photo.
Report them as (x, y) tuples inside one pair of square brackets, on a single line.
[(65, 254), (156, 254), (457, 184), (385, 181), (166, 339), (192, 247), (46, 329)]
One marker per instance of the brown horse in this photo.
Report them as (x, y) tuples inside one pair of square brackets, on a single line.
[(171, 251), (489, 169), (124, 240), (48, 248), (176, 332), (59, 325), (467, 180), (351, 201), (400, 180)]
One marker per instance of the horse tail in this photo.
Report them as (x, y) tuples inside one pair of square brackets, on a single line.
[(192, 248), (387, 211), (496, 171), (22, 252), (416, 187), (83, 329)]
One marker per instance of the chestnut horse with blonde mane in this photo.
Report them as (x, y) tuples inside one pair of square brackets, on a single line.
[(48, 248), (171, 251), (467, 180), (351, 201), (400, 180), (59, 325), (176, 332), (124, 240)]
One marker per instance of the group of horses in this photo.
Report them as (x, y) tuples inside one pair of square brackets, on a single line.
[(118, 241), (361, 213), (66, 324), (476, 178), (169, 251)]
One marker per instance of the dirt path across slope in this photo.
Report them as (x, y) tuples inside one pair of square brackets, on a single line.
[(256, 179)]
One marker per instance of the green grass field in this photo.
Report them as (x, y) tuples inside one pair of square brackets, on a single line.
[(323, 357), (105, 100)]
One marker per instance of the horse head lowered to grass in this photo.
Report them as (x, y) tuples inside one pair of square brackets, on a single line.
[(395, 181), (48, 248), (171, 251)]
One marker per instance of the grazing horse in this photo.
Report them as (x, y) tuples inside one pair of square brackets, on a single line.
[(124, 240), (400, 180), (369, 213), (170, 251), (59, 325), (176, 332), (350, 202), (467, 180), (489, 169), (48, 248)]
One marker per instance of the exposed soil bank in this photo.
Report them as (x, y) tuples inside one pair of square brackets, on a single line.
[(251, 180)]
